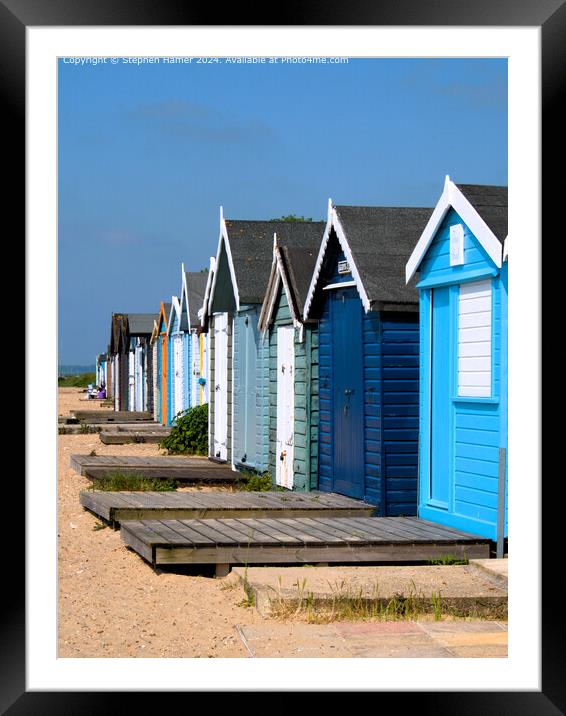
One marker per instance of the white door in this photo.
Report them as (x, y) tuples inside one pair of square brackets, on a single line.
[(285, 406), (177, 374), (139, 387), (195, 369), (220, 387), (131, 380), (116, 381)]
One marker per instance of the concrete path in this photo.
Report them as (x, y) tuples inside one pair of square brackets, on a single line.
[(470, 589), (397, 639)]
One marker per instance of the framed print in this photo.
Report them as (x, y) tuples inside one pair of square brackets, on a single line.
[(33, 38)]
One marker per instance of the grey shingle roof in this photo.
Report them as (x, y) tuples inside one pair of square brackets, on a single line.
[(251, 244), (141, 323), (299, 265), (491, 204), (196, 286), (381, 240)]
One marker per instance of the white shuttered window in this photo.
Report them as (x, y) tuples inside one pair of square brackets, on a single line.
[(474, 339)]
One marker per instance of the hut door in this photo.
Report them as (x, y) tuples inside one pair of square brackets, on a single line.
[(285, 406), (178, 376), (221, 386), (139, 383), (131, 380), (440, 473), (164, 378), (195, 373), (347, 393)]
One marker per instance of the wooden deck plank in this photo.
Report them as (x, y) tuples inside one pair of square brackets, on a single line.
[(340, 529), (277, 540), (420, 531), (192, 532), (267, 528), (276, 529), (255, 532), (426, 524), (381, 531)]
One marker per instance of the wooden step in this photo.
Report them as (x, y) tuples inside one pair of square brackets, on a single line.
[(185, 469), (116, 507), (296, 540), (112, 416), (125, 437)]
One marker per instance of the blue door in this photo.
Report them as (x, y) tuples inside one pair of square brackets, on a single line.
[(347, 393), (440, 462)]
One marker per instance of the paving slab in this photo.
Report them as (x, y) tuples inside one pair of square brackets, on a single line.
[(495, 569), (374, 640), (457, 587)]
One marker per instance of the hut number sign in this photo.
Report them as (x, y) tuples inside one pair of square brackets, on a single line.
[(456, 245), (343, 267)]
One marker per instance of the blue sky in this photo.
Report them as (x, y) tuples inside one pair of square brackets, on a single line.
[(147, 154)]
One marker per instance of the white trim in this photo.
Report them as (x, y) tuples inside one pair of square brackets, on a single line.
[(452, 197), (344, 284), (203, 311), (334, 222), (296, 320), (319, 260), (175, 307), (505, 248), (267, 305), (223, 239)]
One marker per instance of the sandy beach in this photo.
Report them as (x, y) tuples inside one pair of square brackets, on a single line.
[(111, 603)]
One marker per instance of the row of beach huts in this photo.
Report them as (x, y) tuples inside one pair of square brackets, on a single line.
[(365, 355)]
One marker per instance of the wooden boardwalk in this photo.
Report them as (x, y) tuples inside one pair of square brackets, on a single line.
[(290, 540), (185, 469), (112, 416), (145, 434), (118, 506)]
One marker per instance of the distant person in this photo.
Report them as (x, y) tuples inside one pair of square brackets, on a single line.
[(101, 392)]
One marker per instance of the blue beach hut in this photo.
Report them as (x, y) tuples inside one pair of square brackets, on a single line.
[(368, 372), (462, 269)]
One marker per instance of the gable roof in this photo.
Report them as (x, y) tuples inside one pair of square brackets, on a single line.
[(195, 282), (484, 210), (203, 311), (292, 265), (377, 241), (249, 250), (175, 309), (140, 324)]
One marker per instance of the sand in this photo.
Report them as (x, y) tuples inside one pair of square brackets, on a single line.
[(111, 602)]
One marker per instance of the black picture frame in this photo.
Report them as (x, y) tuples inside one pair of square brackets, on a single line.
[(550, 16)]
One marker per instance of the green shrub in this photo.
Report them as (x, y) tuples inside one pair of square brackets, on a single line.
[(132, 481), (255, 482), (189, 434)]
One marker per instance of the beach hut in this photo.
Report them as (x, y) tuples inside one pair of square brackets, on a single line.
[(154, 347), (118, 352), (461, 263), (204, 342), (101, 369), (139, 327), (368, 355), (292, 347), (238, 362), (160, 341), (176, 370), (186, 346)]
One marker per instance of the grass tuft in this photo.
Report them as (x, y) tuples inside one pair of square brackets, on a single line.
[(132, 482)]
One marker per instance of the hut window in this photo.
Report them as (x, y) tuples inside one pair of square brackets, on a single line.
[(456, 245), (474, 339)]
